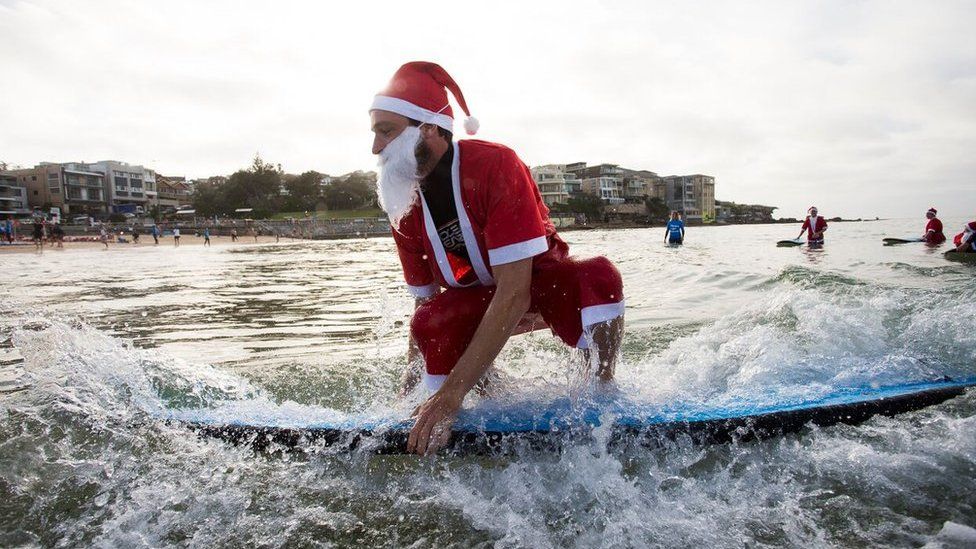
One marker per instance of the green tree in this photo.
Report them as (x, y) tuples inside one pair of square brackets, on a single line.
[(657, 210), (303, 191), (357, 190), (258, 187), (208, 199), (591, 206)]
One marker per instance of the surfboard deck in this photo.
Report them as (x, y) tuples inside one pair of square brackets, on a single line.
[(792, 242), (904, 240), (497, 429), (962, 257)]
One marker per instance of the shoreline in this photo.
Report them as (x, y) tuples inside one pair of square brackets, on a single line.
[(189, 239)]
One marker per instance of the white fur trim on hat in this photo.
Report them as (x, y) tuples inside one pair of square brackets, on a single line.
[(408, 109)]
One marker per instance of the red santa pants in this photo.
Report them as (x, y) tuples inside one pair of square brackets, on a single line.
[(571, 295)]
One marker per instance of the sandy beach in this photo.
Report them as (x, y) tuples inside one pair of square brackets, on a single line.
[(145, 241)]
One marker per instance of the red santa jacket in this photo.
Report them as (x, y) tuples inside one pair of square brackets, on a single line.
[(936, 237), (820, 225), (968, 230), (502, 216)]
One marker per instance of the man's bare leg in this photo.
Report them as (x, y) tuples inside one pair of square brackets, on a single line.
[(605, 340)]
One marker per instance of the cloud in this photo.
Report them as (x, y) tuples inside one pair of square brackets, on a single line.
[(865, 107)]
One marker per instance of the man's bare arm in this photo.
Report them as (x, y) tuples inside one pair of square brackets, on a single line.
[(507, 307)]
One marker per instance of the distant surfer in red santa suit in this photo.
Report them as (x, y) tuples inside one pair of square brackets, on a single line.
[(478, 251), (814, 225)]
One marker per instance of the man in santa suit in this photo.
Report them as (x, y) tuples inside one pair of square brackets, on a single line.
[(933, 229), (815, 226), (478, 250), (966, 240)]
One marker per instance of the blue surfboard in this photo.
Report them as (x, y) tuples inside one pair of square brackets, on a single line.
[(491, 427)]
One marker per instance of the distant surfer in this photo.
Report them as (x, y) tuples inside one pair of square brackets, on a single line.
[(966, 240), (674, 233), (933, 229), (814, 225), (478, 250)]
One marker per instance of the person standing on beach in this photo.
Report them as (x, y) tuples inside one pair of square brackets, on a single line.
[(254, 233), (135, 234), (38, 235), (57, 234), (103, 235), (674, 232), (49, 233), (10, 229), (155, 234), (933, 229), (176, 236), (815, 226), (206, 236), (479, 253), (233, 235)]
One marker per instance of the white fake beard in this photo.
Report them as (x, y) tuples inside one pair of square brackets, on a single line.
[(398, 187)]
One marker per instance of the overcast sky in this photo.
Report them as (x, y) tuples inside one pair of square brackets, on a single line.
[(863, 108)]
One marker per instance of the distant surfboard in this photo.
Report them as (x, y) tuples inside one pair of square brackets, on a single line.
[(491, 428), (962, 257), (792, 242), (905, 240)]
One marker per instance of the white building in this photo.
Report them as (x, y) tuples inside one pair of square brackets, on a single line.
[(126, 184), (555, 185)]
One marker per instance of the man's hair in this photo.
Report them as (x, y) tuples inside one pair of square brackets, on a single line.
[(448, 136)]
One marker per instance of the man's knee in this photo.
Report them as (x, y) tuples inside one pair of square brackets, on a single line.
[(601, 281)]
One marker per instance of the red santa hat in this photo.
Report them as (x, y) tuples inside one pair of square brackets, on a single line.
[(933, 211), (418, 90)]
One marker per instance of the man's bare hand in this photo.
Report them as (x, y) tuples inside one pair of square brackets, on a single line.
[(432, 431), (530, 322)]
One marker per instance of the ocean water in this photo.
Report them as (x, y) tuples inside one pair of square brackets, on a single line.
[(95, 346)]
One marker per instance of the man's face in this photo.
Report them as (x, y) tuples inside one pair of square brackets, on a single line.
[(813, 212), (386, 126), (929, 215)]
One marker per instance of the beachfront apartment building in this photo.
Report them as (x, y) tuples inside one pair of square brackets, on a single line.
[(555, 185), (84, 191), (639, 185), (73, 191), (127, 186), (13, 197), (44, 185), (604, 180), (173, 192), (692, 195)]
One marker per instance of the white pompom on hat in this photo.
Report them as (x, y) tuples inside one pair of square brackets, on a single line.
[(418, 90)]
